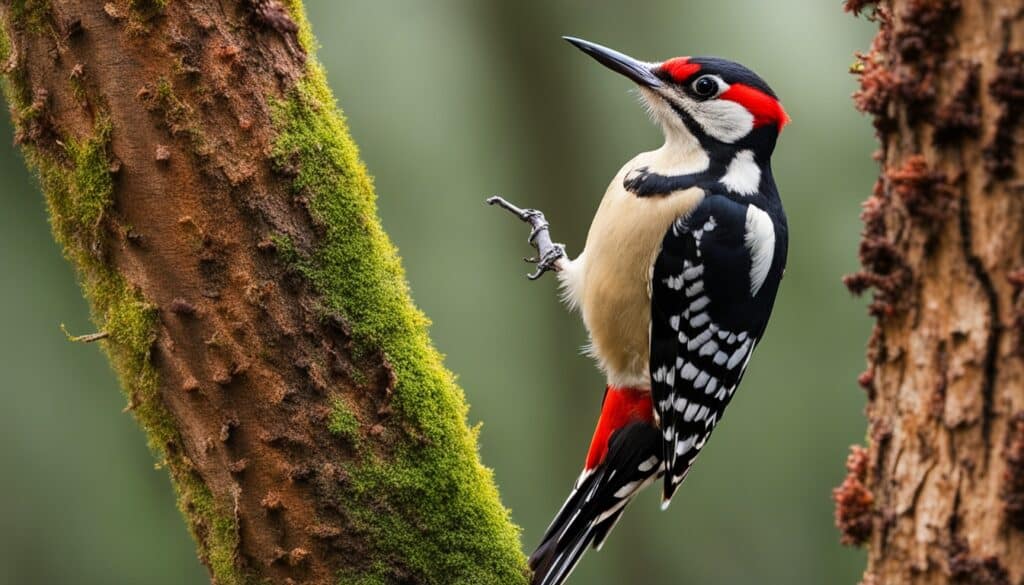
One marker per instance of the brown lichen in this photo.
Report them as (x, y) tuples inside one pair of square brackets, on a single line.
[(190, 384), (960, 117), (886, 271), (272, 502), (925, 193), (162, 154), (866, 380), (967, 570), (920, 43), (858, 6), (903, 63), (924, 32), (1012, 490), (875, 93), (1016, 280), (854, 512), (1007, 89), (183, 308), (926, 197)]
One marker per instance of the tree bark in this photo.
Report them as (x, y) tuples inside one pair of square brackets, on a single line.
[(203, 183), (938, 495)]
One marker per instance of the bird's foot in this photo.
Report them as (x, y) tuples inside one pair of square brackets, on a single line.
[(548, 252)]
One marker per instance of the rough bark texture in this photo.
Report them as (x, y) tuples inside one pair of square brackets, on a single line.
[(938, 495), (204, 185)]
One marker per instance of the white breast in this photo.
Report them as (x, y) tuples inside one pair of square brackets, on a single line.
[(611, 280)]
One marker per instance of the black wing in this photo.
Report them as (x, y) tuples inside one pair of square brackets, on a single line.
[(713, 287)]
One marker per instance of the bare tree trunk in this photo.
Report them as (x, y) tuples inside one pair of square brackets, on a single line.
[(938, 495), (203, 183)]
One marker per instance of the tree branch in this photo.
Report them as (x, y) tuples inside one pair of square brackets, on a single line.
[(204, 185)]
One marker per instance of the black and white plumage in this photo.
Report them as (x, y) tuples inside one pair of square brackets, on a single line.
[(713, 287), (597, 501), (675, 285)]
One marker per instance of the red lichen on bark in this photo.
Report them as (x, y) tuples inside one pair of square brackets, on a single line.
[(924, 192), (866, 380), (884, 267), (876, 80), (854, 511), (941, 232)]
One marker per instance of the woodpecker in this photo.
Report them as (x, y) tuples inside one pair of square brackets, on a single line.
[(675, 285)]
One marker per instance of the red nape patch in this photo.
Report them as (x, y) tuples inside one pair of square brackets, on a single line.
[(680, 68), (621, 407), (766, 109)]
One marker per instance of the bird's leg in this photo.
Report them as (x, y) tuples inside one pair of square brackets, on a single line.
[(548, 252)]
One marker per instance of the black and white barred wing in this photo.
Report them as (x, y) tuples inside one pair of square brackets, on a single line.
[(713, 286)]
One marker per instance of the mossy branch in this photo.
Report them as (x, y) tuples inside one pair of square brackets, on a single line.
[(255, 311)]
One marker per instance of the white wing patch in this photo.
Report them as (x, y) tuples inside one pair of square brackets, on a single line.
[(743, 176), (760, 241)]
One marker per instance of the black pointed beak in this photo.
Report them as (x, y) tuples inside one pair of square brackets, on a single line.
[(638, 71)]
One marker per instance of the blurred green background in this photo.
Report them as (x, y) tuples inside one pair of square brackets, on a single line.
[(452, 101)]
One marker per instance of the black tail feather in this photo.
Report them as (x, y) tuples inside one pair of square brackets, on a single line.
[(604, 528), (595, 505)]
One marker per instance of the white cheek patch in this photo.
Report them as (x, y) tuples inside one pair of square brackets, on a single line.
[(760, 241), (743, 176), (724, 120)]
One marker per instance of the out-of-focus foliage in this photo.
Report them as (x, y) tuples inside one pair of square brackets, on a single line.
[(452, 101)]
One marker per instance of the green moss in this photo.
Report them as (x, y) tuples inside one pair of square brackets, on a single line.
[(5, 48), (15, 88), (428, 506), (343, 421), (79, 192), (178, 116), (376, 574), (286, 250), (141, 15), (77, 88), (217, 530), (79, 195), (149, 4), (32, 15)]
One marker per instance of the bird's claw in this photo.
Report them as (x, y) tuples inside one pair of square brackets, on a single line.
[(549, 253), (547, 262)]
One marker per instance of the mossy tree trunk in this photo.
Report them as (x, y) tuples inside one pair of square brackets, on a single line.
[(203, 183), (938, 495)]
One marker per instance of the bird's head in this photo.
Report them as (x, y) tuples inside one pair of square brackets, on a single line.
[(722, 105)]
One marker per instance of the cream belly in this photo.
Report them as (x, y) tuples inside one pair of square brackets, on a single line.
[(610, 281)]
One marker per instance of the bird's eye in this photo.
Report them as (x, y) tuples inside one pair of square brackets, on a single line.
[(705, 86)]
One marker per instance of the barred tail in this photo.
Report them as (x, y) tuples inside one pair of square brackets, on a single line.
[(632, 462)]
